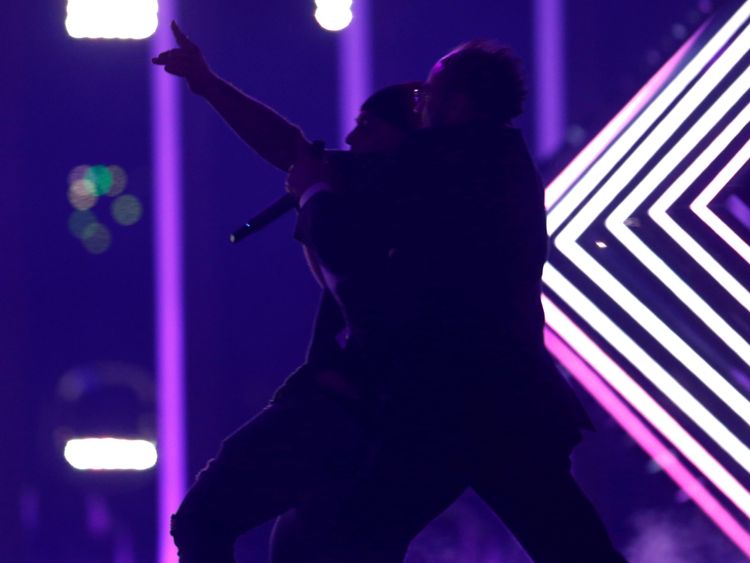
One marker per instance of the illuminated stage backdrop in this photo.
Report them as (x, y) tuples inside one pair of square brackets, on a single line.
[(646, 287)]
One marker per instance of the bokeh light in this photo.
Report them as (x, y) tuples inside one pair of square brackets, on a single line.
[(86, 184), (111, 19), (79, 220), (127, 210), (82, 194), (78, 173), (333, 15), (96, 238), (100, 178), (119, 180)]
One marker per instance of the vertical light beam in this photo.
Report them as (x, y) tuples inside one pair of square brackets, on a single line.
[(167, 178), (549, 71), (355, 66)]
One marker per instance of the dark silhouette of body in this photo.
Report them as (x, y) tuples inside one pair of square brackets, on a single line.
[(433, 254)]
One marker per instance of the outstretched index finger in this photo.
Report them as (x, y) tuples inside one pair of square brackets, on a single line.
[(182, 39)]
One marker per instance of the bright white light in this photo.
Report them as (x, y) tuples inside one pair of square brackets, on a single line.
[(598, 171), (111, 19), (660, 377), (636, 395), (615, 223), (333, 15), (110, 454), (620, 152), (567, 243), (700, 205)]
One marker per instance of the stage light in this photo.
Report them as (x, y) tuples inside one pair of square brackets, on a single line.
[(627, 169), (659, 324), (691, 487), (111, 19), (127, 210), (110, 454), (333, 15), (659, 211), (701, 203)]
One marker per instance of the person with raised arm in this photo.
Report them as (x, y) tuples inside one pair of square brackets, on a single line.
[(310, 437)]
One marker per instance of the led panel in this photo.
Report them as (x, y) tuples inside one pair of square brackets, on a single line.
[(641, 303)]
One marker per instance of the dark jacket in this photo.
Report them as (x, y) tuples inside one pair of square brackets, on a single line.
[(440, 255)]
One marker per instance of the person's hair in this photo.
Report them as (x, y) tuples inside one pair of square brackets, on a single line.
[(489, 74), (395, 105)]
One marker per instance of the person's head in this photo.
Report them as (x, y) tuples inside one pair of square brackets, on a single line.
[(385, 119), (477, 80)]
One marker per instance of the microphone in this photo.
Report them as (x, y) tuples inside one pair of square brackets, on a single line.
[(278, 208)]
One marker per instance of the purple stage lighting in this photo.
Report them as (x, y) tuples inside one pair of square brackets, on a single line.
[(625, 299), (167, 179), (355, 66), (549, 64)]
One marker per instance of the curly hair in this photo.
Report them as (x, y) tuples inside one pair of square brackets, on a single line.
[(489, 74)]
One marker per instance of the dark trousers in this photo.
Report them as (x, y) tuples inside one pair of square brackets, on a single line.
[(348, 490)]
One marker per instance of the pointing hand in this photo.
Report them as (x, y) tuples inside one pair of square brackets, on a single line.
[(186, 61)]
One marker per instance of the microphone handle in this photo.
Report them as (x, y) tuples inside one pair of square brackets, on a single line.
[(278, 208)]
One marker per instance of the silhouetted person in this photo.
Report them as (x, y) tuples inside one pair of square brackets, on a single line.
[(434, 257), (312, 434), (439, 277)]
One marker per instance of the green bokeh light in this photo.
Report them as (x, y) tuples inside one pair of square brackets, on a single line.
[(101, 177)]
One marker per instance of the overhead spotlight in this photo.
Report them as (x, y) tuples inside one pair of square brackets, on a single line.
[(113, 454), (333, 15), (105, 418), (111, 19)]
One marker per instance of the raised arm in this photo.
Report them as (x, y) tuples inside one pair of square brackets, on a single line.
[(271, 135)]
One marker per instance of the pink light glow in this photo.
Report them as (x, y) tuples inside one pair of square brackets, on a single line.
[(647, 440), (167, 177), (647, 406)]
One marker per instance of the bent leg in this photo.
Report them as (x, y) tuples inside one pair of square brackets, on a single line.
[(544, 508), (412, 474), (273, 462)]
